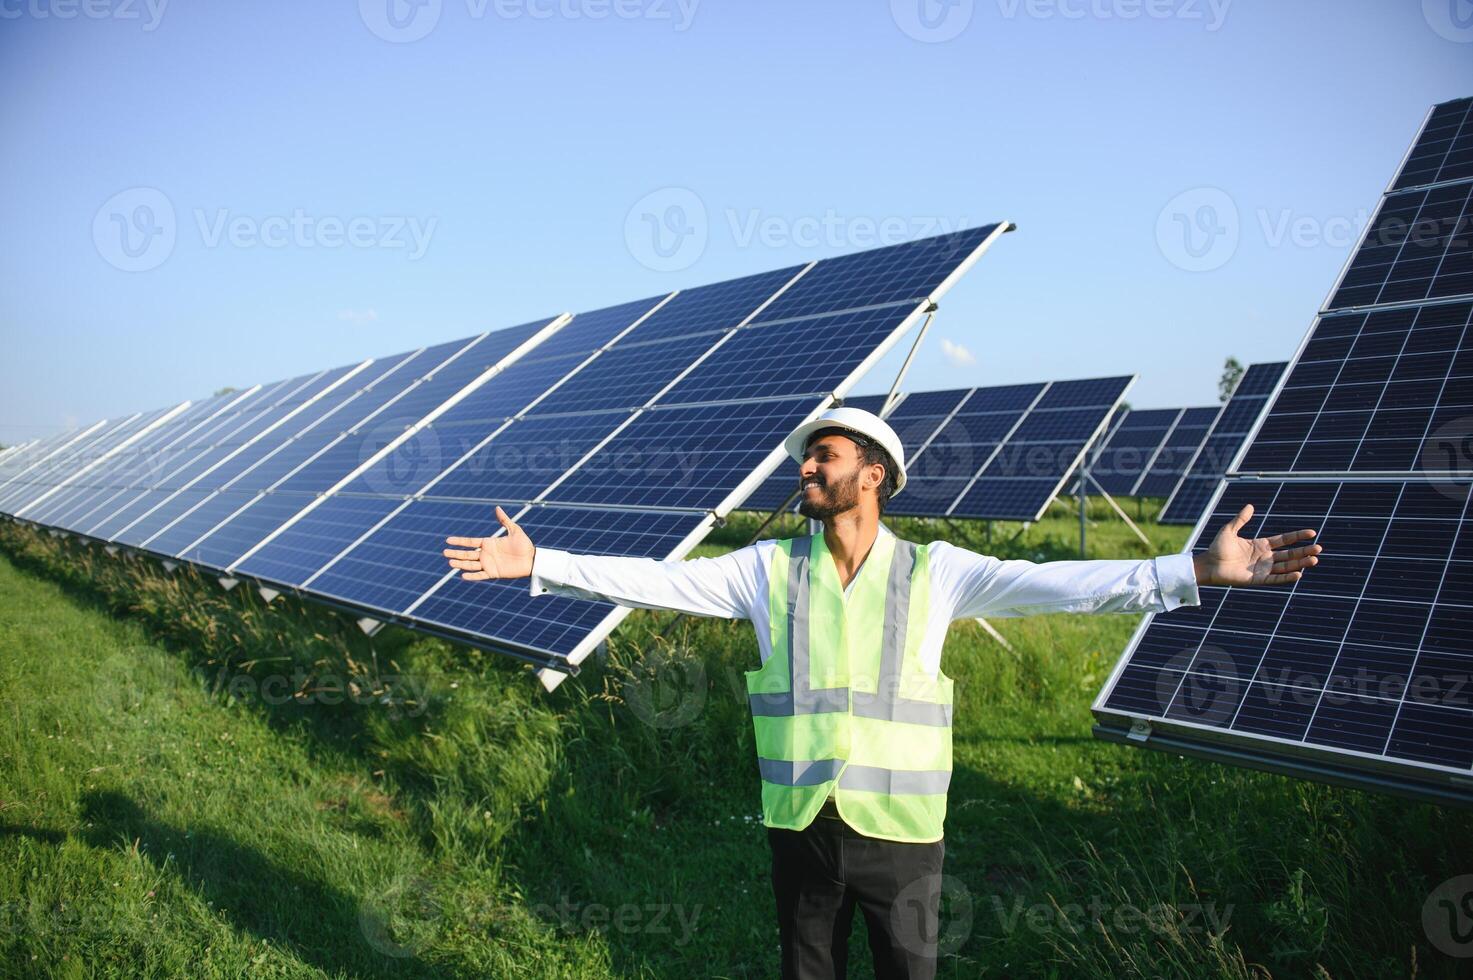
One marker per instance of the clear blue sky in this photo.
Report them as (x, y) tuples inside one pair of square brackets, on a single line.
[(519, 138)]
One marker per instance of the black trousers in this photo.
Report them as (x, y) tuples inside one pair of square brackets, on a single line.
[(820, 873)]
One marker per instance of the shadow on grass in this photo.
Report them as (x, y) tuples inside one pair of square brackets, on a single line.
[(316, 923)]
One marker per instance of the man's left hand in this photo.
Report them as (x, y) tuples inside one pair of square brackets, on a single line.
[(1232, 560)]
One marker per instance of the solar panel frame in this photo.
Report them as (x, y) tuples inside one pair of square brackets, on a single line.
[(1298, 757), (1188, 488), (160, 418), (254, 415), (1444, 785)]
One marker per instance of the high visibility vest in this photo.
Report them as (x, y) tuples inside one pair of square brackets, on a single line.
[(842, 705)]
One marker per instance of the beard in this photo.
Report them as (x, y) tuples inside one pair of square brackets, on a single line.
[(833, 499)]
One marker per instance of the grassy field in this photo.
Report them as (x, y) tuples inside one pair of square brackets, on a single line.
[(195, 784)]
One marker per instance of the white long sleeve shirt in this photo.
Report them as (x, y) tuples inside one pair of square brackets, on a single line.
[(964, 585)]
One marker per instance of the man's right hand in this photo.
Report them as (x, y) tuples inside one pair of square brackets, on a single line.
[(502, 556)]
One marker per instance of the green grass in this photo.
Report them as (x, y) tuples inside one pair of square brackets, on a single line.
[(187, 790)]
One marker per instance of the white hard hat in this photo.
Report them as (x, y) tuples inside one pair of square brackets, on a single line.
[(856, 420)]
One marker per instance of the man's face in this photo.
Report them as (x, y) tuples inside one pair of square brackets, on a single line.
[(829, 477)]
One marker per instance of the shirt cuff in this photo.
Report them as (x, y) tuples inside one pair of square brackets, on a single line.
[(549, 569), (1176, 577)]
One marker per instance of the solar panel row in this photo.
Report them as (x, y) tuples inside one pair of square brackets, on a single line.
[(1224, 440), (620, 431), (997, 453), (1362, 671)]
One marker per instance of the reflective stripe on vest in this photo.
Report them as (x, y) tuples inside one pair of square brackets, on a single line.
[(847, 739)]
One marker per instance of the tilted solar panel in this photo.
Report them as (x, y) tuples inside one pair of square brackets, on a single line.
[(1361, 672), (1177, 451), (1223, 443)]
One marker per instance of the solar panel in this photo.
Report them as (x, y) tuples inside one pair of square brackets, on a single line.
[(1128, 450), (1027, 470), (1224, 440), (1358, 673), (626, 430), (1000, 452), (1176, 452), (674, 460), (1444, 150)]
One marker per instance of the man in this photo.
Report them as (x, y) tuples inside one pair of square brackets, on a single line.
[(851, 710)]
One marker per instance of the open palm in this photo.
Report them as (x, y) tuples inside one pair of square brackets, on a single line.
[(1234, 560), (506, 555)]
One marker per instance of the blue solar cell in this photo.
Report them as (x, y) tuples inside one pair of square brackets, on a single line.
[(1359, 660), (260, 517), (811, 357), (717, 307), (1119, 464), (1001, 398), (1419, 247), (1012, 498), (296, 553), (1373, 392), (900, 273), (589, 331), (555, 624), (921, 403), (1176, 452), (687, 457), (525, 458), (1444, 149), (625, 376), (1224, 440), (1087, 393)]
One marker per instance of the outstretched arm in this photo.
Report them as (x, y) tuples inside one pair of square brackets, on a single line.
[(984, 586), (724, 587)]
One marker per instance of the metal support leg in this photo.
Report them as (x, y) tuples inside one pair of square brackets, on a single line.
[(1120, 513)]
